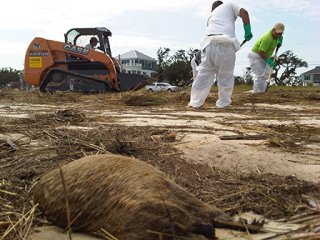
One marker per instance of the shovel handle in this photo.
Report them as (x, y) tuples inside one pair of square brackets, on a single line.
[(276, 53), (271, 70), (244, 41)]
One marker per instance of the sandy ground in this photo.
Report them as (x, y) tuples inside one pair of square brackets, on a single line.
[(200, 133), (276, 133)]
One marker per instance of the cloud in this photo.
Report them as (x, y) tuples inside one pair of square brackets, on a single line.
[(309, 8), (40, 14), (179, 24), (12, 47), (143, 43), (49, 14)]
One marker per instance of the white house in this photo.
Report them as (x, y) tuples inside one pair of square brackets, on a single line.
[(311, 77), (136, 62)]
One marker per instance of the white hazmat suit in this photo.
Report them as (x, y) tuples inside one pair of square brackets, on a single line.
[(261, 71), (217, 57), (194, 67), (195, 62)]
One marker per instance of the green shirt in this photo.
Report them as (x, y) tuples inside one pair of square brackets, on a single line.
[(266, 44)]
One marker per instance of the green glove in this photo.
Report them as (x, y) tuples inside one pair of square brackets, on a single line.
[(247, 32), (271, 63), (280, 39)]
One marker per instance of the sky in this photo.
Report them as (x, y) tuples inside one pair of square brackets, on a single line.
[(147, 25)]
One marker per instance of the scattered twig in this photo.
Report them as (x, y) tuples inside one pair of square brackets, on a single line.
[(22, 219), (231, 195), (235, 225), (244, 224), (108, 235), (7, 192)]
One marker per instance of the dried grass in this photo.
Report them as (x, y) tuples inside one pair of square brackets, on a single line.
[(53, 143)]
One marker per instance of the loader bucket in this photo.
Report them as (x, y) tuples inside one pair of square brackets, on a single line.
[(131, 81)]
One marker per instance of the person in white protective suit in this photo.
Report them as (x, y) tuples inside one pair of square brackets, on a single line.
[(260, 58), (195, 62), (218, 54)]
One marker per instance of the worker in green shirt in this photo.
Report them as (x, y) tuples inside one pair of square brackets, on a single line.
[(260, 58)]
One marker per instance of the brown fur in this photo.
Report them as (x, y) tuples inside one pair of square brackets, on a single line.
[(124, 196)]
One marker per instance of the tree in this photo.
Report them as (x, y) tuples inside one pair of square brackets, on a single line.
[(175, 69), (163, 61), (238, 80), (290, 63), (179, 71), (248, 77), (9, 76)]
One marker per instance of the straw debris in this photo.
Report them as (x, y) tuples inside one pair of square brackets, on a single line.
[(59, 129)]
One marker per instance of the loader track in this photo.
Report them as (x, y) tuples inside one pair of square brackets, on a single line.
[(60, 80)]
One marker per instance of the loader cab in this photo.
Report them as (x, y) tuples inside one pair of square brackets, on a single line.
[(81, 37)]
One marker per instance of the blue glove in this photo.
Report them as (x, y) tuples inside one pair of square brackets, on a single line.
[(279, 43), (247, 32), (271, 63)]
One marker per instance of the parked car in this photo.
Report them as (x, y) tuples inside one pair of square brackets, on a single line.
[(161, 86)]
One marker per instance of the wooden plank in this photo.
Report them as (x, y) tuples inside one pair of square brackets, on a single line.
[(243, 137)]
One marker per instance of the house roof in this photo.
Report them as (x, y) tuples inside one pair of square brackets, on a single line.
[(134, 54), (316, 70)]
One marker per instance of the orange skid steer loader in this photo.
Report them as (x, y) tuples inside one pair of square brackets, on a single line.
[(69, 66)]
